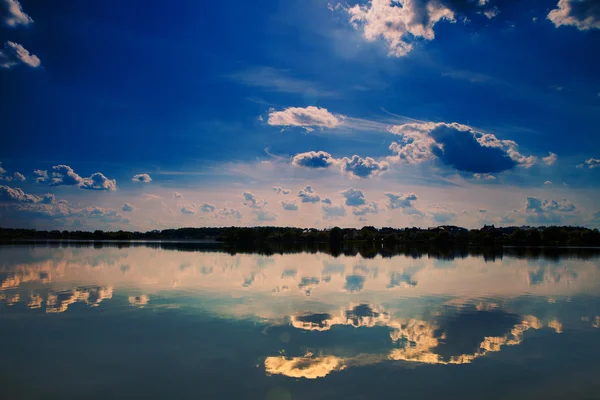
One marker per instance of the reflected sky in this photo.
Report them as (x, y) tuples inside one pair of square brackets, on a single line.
[(312, 315)]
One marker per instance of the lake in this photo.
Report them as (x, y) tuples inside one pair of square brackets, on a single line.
[(194, 321)]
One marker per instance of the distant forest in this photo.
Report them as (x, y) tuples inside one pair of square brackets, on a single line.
[(442, 235)]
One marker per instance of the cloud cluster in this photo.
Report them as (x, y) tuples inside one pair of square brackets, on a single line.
[(63, 175), (141, 178), (538, 211), (251, 201), (369, 208), (308, 195), (40, 175), (403, 201), (12, 14), (590, 163), (280, 190), (458, 146), (308, 118), (363, 167), (355, 166), (14, 54), (582, 14)]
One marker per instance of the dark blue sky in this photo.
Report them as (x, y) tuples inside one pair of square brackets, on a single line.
[(189, 93)]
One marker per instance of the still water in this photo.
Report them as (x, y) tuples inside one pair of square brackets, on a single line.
[(151, 321)]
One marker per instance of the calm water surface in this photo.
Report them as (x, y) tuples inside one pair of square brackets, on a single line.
[(150, 322)]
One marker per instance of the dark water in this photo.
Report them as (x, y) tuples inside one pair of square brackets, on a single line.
[(136, 321)]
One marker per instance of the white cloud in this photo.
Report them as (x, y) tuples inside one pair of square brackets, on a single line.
[(63, 175), (458, 146), (226, 212), (263, 215), (177, 195), (14, 54), (12, 14), (538, 211), (590, 163), (399, 22), (582, 14), (307, 117), (41, 175), (141, 178), (308, 195), (105, 214), (548, 183), (289, 205), (19, 176), (484, 177), (550, 160)]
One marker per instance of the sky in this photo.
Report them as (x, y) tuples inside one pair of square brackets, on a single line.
[(151, 115)]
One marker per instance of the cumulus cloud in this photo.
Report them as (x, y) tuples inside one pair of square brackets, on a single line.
[(14, 54), (289, 205), (307, 118), (369, 208), (8, 194), (458, 146), (354, 197), (582, 14), (363, 167), (550, 160), (326, 201), (19, 176), (128, 207), (64, 175), (314, 159), (590, 163), (177, 195), (280, 190), (399, 22), (548, 183), (142, 178), (12, 14), (308, 195), (207, 208), (441, 214), (40, 175)]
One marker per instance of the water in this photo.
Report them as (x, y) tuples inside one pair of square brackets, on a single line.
[(194, 321)]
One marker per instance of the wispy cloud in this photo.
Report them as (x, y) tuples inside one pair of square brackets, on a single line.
[(279, 80)]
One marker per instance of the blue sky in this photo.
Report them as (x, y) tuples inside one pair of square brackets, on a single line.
[(154, 115)]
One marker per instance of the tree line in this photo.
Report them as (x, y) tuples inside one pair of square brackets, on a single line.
[(442, 235)]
